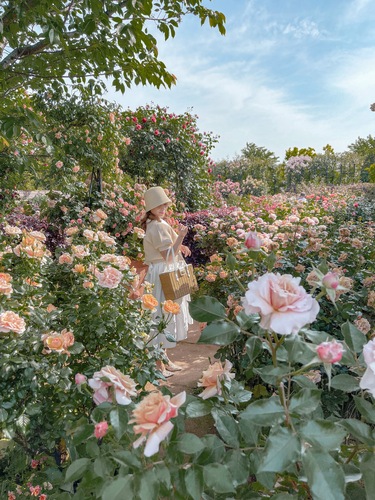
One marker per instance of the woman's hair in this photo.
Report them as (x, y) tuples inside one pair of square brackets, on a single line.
[(144, 219)]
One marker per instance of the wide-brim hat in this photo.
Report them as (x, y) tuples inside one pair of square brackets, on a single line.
[(154, 197)]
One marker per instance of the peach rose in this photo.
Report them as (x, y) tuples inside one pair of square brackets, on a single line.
[(12, 230), (149, 302), (11, 322), (213, 378), (284, 306), (109, 278), (152, 418), (5, 285), (65, 258), (38, 236), (171, 307), (90, 235), (106, 239), (53, 341), (69, 231), (109, 382), (80, 251), (99, 215), (79, 269)]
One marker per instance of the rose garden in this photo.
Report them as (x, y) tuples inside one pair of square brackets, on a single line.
[(286, 292)]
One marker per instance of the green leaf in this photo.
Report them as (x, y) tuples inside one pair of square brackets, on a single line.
[(83, 432), (194, 482), (231, 261), (103, 467), (127, 458), (119, 420), (344, 382), (238, 465), (218, 478), (304, 382), (190, 444), (365, 408), (264, 412), (353, 337), (272, 374), (214, 450), (227, 427), (219, 333), (367, 467), (325, 477), (298, 350), (198, 408), (254, 347), (281, 451), (77, 469), (147, 486), (323, 434), (119, 489), (206, 309), (247, 320), (305, 401), (363, 432)]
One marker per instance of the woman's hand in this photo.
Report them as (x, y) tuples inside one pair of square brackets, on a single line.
[(186, 252), (182, 230)]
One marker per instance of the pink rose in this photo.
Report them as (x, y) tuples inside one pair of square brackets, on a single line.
[(59, 164), (331, 280), (11, 322), (284, 306), (109, 278), (330, 352), (80, 378), (108, 382), (213, 378), (152, 418), (101, 429), (252, 241), (368, 379)]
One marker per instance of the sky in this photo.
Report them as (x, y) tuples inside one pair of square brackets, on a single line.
[(287, 73)]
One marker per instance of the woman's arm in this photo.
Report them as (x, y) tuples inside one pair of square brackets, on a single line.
[(181, 233)]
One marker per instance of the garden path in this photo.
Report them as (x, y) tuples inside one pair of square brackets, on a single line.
[(193, 358)]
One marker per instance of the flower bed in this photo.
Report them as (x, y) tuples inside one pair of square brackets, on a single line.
[(287, 289)]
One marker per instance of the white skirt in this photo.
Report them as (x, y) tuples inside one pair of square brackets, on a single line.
[(179, 324)]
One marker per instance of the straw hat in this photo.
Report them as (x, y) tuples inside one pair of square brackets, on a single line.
[(154, 197)]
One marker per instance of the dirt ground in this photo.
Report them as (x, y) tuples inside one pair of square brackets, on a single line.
[(193, 358)]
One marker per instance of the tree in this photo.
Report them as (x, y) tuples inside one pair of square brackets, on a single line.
[(366, 149), (300, 152), (55, 43), (165, 148)]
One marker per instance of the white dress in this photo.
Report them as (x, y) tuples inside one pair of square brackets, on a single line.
[(179, 323)]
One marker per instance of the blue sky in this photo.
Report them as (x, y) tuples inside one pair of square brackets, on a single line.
[(287, 73)]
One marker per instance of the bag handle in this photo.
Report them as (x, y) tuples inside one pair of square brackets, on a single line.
[(175, 267)]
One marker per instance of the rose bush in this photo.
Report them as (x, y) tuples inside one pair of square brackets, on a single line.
[(280, 430)]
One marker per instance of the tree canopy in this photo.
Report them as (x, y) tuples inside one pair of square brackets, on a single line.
[(60, 44), (53, 42)]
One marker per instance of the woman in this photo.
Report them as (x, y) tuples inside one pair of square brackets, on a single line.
[(161, 245)]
